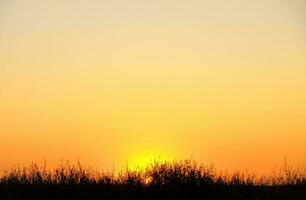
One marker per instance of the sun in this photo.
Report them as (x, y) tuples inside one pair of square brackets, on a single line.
[(145, 160)]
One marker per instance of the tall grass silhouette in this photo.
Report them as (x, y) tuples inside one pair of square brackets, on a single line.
[(183, 179)]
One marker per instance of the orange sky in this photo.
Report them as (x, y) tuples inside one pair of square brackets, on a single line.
[(113, 81)]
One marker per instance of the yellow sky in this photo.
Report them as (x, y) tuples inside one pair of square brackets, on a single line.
[(113, 81)]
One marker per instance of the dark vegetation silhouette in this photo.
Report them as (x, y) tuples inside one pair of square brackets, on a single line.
[(167, 180)]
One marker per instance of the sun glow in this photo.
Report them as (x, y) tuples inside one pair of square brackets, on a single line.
[(148, 180)]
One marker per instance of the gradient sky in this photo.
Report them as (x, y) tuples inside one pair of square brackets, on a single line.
[(113, 81)]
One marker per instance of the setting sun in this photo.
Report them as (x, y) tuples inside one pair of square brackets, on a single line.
[(145, 160)]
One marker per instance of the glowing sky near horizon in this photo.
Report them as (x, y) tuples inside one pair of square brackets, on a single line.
[(113, 81)]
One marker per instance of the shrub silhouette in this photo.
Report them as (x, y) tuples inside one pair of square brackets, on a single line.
[(167, 180)]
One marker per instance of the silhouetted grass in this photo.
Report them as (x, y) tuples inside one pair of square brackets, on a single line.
[(167, 180)]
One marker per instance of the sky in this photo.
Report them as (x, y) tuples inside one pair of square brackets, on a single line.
[(118, 82)]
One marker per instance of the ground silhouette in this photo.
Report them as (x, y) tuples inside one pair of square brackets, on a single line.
[(167, 180)]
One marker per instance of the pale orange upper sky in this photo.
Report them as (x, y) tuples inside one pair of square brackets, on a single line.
[(113, 81)]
